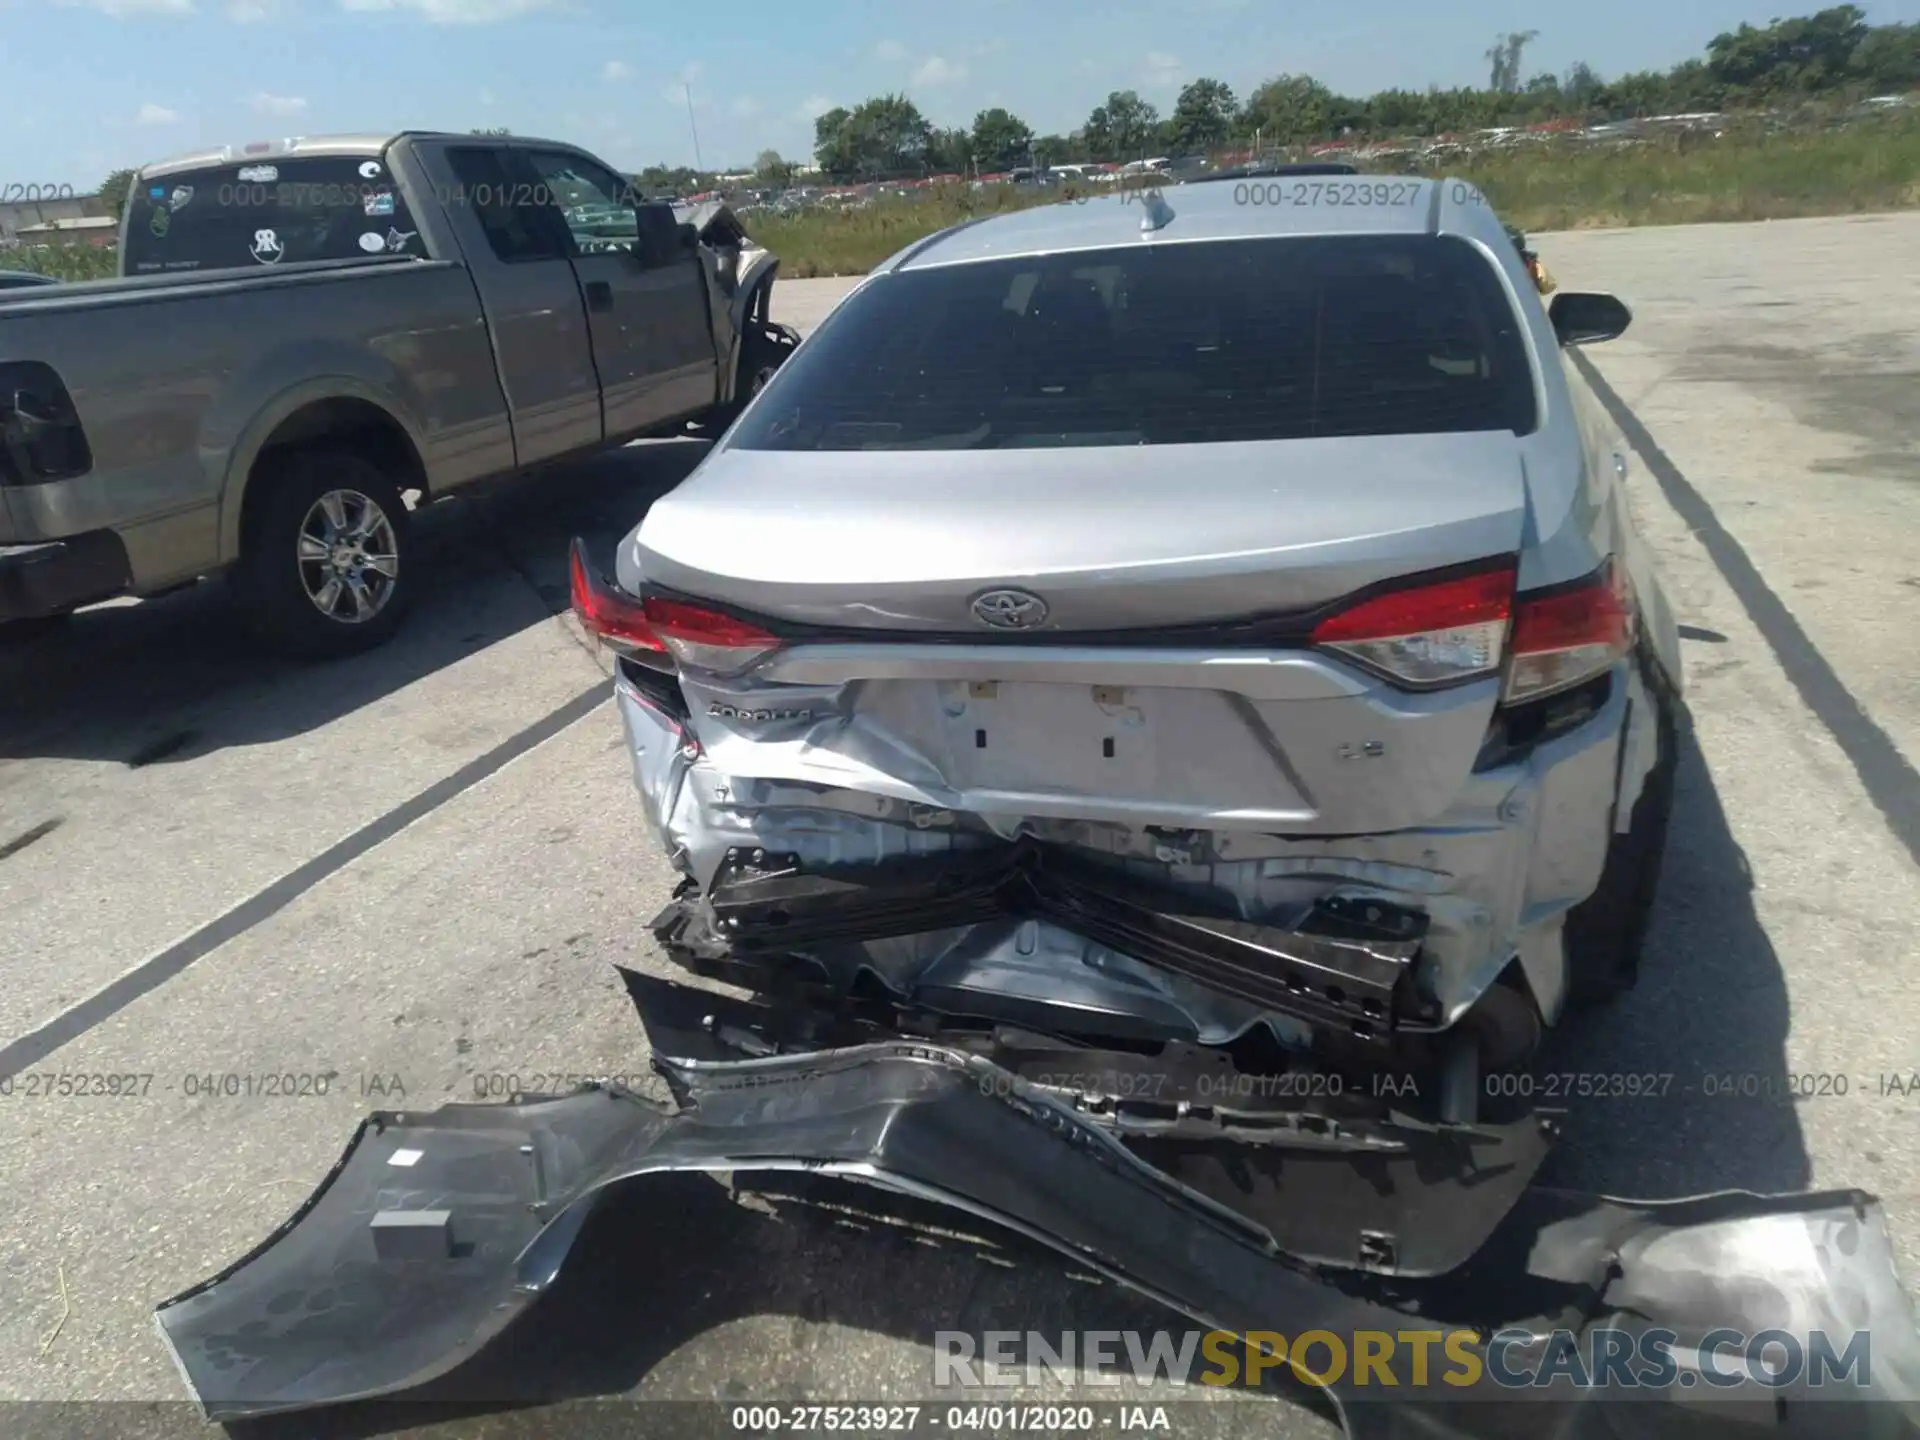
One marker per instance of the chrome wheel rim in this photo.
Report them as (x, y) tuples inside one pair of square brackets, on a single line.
[(349, 557)]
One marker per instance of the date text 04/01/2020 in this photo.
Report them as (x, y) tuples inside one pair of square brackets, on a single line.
[(510, 195)]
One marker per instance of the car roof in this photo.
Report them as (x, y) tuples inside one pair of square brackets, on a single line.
[(1282, 206)]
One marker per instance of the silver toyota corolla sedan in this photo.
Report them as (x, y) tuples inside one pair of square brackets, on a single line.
[(1208, 617)]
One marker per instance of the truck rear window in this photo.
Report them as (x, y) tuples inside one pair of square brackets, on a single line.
[(271, 211), (1178, 343)]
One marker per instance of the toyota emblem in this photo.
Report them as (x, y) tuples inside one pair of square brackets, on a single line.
[(1009, 609)]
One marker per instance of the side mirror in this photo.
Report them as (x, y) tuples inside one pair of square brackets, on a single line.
[(689, 237), (1587, 317)]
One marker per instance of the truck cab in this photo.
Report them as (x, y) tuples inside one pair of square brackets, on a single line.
[(307, 331)]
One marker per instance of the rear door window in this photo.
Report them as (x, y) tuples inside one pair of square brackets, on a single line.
[(267, 212), (1179, 343)]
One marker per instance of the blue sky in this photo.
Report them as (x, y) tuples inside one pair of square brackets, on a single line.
[(88, 85)]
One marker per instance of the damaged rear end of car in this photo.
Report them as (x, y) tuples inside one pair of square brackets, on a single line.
[(1150, 727), (986, 672)]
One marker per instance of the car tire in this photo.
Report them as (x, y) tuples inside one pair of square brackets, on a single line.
[(1605, 933), (312, 524)]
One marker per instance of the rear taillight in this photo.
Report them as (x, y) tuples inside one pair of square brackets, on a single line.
[(1570, 634), (1436, 634), (617, 620), (707, 640), (690, 634)]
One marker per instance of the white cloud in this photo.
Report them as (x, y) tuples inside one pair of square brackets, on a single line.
[(253, 12), (130, 7), (746, 107), (935, 70), (1163, 70), (615, 70), (487, 97), (814, 106), (267, 104), (151, 114), (891, 51), (456, 12)]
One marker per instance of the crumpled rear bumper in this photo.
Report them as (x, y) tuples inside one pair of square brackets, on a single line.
[(436, 1230)]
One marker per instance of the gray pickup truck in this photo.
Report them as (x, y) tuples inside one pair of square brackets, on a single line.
[(307, 333)]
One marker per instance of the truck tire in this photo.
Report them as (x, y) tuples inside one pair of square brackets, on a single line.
[(324, 566), (1605, 932)]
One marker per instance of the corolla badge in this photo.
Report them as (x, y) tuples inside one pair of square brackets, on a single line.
[(1009, 609)]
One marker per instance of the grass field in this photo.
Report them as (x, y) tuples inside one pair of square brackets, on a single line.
[(1563, 186), (1744, 175)]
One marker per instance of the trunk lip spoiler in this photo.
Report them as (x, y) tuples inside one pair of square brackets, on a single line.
[(1291, 630)]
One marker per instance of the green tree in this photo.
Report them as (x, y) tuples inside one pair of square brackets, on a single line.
[(1888, 57), (1056, 150), (671, 180), (1123, 128), (771, 171), (1288, 109), (1403, 112), (1001, 139), (882, 137), (1805, 55), (949, 152), (1505, 55), (1644, 92), (113, 191), (1203, 117), (1579, 87)]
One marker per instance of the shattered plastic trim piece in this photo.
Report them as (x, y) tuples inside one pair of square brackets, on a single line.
[(313, 1317)]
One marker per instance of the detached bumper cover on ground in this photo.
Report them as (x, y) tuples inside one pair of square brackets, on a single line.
[(436, 1230)]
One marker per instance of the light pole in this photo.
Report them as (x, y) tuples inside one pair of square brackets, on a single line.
[(687, 86)]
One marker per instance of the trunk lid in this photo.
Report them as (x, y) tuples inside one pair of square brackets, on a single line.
[(1112, 538), (1137, 700)]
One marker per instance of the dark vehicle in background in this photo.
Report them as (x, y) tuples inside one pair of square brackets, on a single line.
[(304, 333)]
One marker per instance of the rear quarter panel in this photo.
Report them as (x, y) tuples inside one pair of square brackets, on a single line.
[(1610, 461), (1577, 519)]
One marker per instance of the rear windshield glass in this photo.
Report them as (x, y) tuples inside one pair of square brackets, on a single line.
[(267, 212), (1164, 344)]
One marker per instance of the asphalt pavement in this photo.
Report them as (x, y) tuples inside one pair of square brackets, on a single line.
[(413, 873)]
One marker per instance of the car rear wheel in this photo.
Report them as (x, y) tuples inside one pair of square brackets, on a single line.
[(1605, 933), (323, 567)]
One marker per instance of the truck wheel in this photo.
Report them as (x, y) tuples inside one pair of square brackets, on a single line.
[(1604, 933), (323, 569)]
